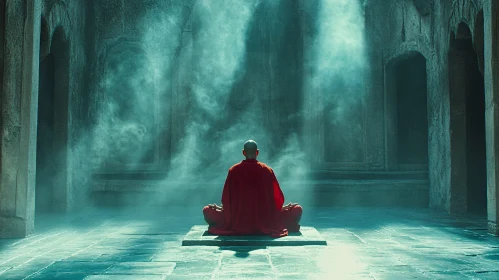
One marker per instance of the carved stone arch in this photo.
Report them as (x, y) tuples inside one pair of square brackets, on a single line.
[(59, 16), (463, 11), (395, 59), (407, 66), (418, 45)]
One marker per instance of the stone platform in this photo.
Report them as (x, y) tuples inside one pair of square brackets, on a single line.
[(198, 236)]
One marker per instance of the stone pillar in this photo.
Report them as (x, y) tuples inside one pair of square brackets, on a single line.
[(491, 39), (19, 117), (375, 94), (310, 130)]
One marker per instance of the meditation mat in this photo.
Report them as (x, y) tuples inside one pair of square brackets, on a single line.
[(198, 236)]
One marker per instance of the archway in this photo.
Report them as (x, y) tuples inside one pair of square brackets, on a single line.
[(467, 95), (51, 163), (407, 121)]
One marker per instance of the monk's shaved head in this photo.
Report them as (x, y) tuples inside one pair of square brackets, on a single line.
[(250, 146), (250, 149)]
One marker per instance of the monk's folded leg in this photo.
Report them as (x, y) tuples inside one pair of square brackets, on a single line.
[(212, 216), (290, 218)]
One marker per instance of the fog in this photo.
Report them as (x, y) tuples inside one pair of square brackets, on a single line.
[(140, 89)]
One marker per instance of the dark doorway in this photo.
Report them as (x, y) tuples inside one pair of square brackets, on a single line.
[(412, 121), (45, 135), (467, 81), (51, 162)]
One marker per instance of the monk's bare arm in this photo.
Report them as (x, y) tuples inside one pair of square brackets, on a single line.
[(226, 192), (278, 195)]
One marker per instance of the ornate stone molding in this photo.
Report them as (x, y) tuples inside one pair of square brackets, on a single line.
[(463, 11), (59, 16), (420, 44)]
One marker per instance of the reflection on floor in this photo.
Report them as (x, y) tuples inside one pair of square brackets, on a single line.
[(363, 243)]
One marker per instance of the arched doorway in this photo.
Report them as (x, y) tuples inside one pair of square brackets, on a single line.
[(51, 163), (467, 96), (406, 113)]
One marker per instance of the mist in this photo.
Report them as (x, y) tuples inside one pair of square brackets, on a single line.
[(226, 102), (336, 59)]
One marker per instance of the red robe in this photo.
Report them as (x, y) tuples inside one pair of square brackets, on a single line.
[(252, 204)]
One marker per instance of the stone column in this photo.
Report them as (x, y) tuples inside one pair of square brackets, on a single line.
[(491, 39), (19, 117), (375, 138), (374, 92)]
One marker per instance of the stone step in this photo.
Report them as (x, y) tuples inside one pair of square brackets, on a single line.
[(130, 175), (365, 175), (400, 192), (338, 184), (313, 175)]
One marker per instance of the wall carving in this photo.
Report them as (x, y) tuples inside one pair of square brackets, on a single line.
[(58, 16), (463, 11)]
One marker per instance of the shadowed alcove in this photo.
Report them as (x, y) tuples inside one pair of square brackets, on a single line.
[(469, 186), (51, 161), (406, 115)]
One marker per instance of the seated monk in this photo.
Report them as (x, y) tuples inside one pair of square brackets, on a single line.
[(252, 201)]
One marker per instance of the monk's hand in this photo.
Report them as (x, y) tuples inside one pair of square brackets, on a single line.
[(216, 207), (290, 205)]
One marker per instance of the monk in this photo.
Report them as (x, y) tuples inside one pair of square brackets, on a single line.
[(252, 201)]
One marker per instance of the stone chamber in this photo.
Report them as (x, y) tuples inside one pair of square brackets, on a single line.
[(140, 104), (119, 120)]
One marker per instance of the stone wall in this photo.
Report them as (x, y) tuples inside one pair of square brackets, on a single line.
[(71, 18), (29, 30), (410, 26), (134, 32), (166, 35), (92, 42)]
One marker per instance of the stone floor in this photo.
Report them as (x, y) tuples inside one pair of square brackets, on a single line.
[(363, 243)]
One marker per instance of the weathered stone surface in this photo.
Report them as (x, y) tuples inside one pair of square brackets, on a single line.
[(423, 26), (363, 243), (279, 38), (20, 104), (491, 20)]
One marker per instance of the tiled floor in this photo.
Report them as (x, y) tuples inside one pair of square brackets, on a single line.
[(363, 243)]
